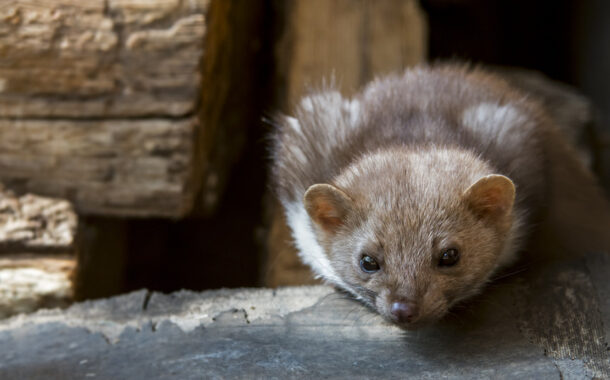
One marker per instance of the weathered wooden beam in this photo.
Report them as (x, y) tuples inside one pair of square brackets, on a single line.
[(32, 281), (114, 58), (35, 224), (99, 102), (130, 109), (114, 105), (36, 252), (110, 167)]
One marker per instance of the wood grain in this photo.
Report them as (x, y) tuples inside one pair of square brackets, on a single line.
[(111, 167), (114, 58), (29, 282), (99, 102)]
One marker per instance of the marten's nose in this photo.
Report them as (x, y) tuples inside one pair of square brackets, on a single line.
[(404, 312)]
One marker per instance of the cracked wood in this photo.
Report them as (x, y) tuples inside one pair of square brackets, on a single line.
[(121, 58), (99, 102)]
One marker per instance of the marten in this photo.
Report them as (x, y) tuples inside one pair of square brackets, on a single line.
[(412, 194)]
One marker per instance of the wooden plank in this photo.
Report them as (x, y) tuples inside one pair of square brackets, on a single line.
[(35, 224), (29, 282), (111, 167), (99, 102), (71, 58), (113, 104)]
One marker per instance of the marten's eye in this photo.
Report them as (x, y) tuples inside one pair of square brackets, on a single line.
[(449, 258), (368, 264)]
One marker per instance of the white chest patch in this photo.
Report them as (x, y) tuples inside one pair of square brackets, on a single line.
[(309, 249)]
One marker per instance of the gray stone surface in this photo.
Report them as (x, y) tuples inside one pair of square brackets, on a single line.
[(543, 323)]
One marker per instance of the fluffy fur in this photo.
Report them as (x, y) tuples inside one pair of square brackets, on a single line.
[(415, 164)]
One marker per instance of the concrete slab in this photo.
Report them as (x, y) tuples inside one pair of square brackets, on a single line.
[(545, 323)]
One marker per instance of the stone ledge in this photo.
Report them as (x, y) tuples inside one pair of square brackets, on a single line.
[(546, 323)]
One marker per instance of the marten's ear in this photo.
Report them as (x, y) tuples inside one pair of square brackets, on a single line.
[(491, 196), (327, 206)]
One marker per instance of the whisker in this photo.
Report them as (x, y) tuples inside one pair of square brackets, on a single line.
[(506, 275)]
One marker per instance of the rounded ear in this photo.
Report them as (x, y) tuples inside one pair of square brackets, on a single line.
[(327, 206), (492, 196)]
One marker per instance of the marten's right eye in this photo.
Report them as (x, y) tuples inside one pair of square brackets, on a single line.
[(449, 258), (368, 264)]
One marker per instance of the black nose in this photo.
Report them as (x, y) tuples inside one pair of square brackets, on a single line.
[(404, 312)]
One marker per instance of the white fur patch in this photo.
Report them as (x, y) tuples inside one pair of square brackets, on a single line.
[(334, 107), (310, 250), (499, 123), (353, 107), (294, 124), (325, 99)]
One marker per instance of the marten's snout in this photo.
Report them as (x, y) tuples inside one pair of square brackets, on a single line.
[(404, 312)]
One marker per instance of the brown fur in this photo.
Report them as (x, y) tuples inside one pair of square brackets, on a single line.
[(440, 157)]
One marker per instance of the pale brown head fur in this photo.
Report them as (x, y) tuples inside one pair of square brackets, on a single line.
[(405, 208)]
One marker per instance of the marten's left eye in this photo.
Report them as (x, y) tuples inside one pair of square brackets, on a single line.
[(449, 258), (368, 264)]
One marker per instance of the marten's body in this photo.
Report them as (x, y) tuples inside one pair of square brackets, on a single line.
[(415, 192)]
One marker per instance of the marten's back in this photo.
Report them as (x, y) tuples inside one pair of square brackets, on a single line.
[(443, 106)]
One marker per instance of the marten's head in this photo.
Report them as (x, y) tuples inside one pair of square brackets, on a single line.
[(411, 233)]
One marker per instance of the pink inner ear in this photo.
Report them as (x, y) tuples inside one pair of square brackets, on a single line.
[(327, 206), (491, 196), (326, 214), (494, 199)]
